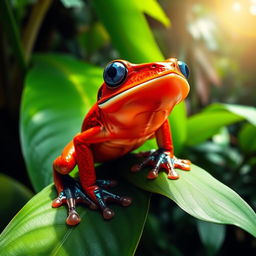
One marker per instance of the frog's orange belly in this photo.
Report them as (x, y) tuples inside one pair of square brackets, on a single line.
[(115, 148), (134, 125)]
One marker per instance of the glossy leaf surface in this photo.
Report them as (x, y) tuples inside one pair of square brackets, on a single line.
[(201, 195), (39, 229)]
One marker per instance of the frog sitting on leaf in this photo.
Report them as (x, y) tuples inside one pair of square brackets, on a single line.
[(133, 105)]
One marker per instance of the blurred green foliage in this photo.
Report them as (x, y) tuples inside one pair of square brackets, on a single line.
[(221, 56)]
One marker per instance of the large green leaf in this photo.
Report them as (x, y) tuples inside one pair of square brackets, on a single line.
[(59, 91), (204, 125), (199, 194), (128, 29), (39, 229)]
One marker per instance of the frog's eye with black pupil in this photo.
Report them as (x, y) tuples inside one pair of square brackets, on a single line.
[(183, 68), (114, 74)]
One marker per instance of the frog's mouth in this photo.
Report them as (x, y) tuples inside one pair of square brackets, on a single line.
[(108, 102)]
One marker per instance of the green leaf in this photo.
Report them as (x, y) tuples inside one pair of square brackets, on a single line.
[(154, 9), (212, 236), (13, 196), (58, 93), (246, 112), (201, 195), (128, 29), (204, 125), (39, 229), (247, 138)]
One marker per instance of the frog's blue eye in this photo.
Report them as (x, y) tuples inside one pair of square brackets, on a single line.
[(114, 74), (183, 68)]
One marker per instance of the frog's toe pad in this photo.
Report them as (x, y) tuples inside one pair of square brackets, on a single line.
[(182, 164), (125, 201), (108, 214), (72, 194), (73, 218), (57, 202)]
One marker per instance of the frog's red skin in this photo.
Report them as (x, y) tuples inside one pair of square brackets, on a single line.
[(122, 120)]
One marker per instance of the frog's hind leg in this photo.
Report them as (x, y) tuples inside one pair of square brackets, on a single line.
[(66, 162)]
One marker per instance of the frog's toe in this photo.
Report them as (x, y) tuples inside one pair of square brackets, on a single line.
[(102, 197), (107, 213), (58, 201), (182, 164), (152, 174), (111, 197), (73, 218)]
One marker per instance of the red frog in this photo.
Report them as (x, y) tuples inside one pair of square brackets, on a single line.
[(133, 105)]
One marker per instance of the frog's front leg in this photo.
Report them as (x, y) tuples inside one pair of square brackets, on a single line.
[(89, 191), (163, 158), (84, 157)]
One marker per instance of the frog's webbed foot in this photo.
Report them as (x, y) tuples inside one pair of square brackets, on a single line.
[(71, 195), (161, 159), (102, 197)]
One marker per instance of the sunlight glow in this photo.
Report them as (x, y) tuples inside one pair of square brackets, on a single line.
[(237, 16), (253, 10), (236, 6)]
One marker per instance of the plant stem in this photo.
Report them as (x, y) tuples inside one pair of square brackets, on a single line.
[(34, 23), (12, 31)]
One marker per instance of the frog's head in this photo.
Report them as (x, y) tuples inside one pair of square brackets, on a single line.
[(143, 87)]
